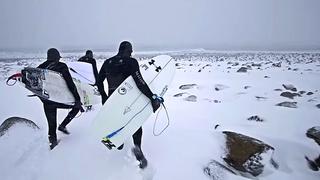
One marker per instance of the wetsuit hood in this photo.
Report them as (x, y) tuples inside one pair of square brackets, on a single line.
[(53, 54), (125, 49)]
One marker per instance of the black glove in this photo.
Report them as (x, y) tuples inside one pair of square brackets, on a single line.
[(104, 98), (156, 102), (77, 105)]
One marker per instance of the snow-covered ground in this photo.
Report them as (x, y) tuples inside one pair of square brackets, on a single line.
[(215, 93)]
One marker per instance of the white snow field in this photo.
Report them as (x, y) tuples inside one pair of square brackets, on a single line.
[(215, 93)]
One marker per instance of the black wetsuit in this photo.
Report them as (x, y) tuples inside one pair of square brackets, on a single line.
[(50, 108), (93, 62), (116, 70)]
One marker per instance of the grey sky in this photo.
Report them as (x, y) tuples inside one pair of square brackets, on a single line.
[(212, 24)]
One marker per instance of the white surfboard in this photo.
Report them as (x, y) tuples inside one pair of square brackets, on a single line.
[(51, 85), (82, 71), (127, 108)]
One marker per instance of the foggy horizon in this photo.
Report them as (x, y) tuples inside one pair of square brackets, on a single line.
[(230, 25), (137, 47)]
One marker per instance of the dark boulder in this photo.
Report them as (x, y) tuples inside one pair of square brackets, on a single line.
[(179, 94), (256, 65), (313, 164), (288, 104), (244, 153), (187, 86), (191, 98), (309, 93), (314, 133), (302, 92), (255, 118), (243, 70), (290, 87), (260, 98), (290, 95), (276, 64), (219, 87)]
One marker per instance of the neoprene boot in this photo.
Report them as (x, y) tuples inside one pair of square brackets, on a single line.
[(140, 157), (53, 142)]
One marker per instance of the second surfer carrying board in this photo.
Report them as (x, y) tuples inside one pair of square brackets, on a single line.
[(116, 69)]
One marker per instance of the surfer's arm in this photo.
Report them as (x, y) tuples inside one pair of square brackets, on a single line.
[(95, 69), (138, 79), (101, 78)]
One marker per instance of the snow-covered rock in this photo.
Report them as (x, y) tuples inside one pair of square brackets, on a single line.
[(246, 154), (289, 95), (243, 70), (16, 121), (289, 87), (288, 104), (314, 133)]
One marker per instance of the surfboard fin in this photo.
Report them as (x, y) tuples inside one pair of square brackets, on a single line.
[(105, 141), (32, 95)]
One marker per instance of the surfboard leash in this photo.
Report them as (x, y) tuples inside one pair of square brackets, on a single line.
[(13, 77), (155, 121)]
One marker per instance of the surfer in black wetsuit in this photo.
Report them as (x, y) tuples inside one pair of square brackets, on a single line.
[(116, 69), (88, 58), (50, 108)]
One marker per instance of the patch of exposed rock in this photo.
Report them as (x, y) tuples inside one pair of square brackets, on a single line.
[(288, 104), (314, 133), (191, 98), (214, 101), (290, 87), (247, 155), (309, 93), (179, 94), (276, 64), (290, 95), (261, 98), (255, 118), (277, 89), (187, 86), (313, 164), (233, 63), (242, 70), (256, 65), (302, 92), (219, 87)]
